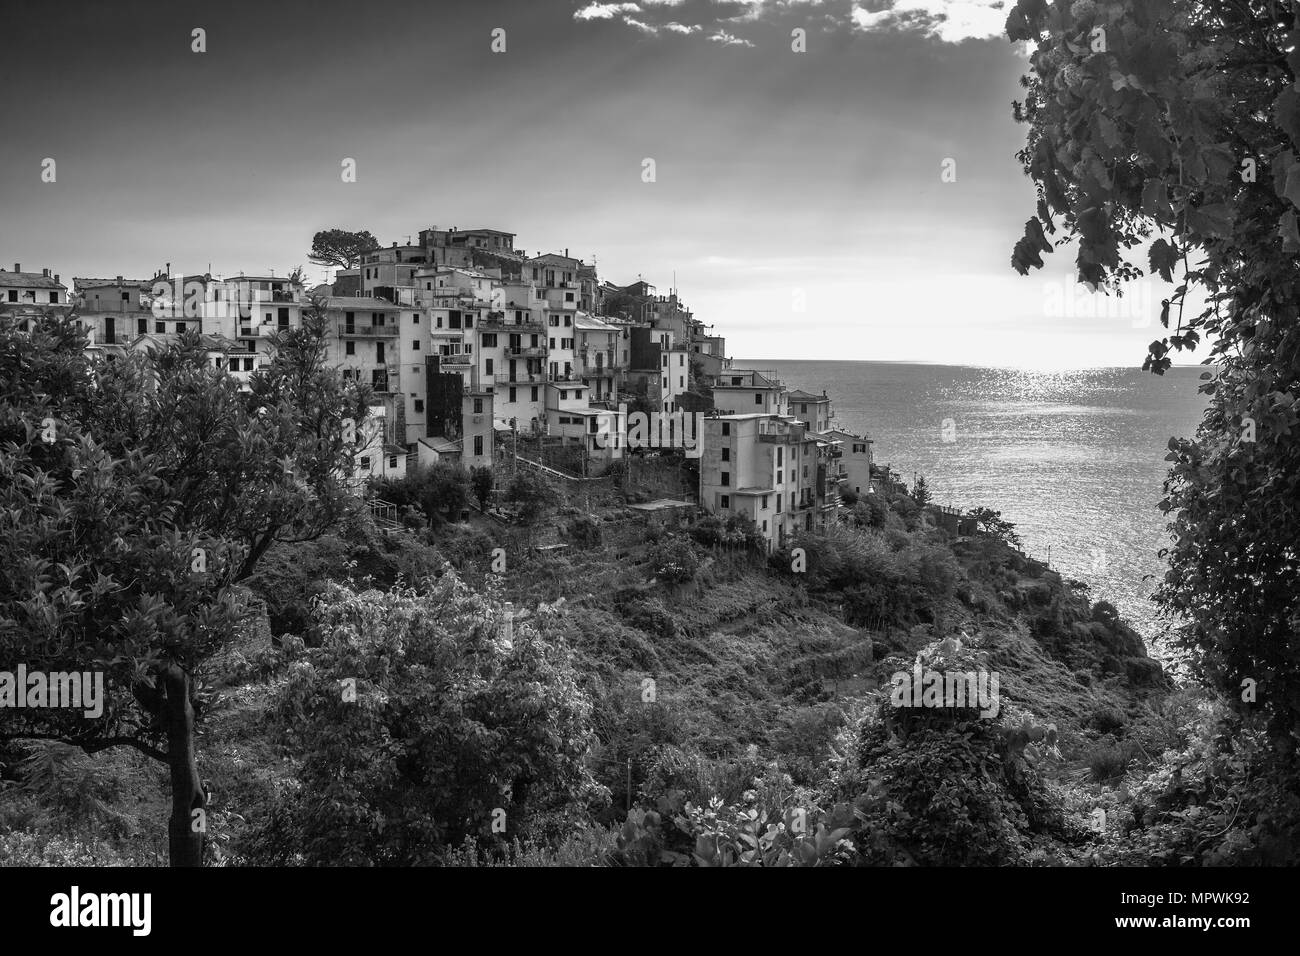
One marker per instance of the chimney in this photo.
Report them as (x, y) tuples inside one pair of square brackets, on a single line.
[(119, 280), (56, 278), (18, 267), (45, 273)]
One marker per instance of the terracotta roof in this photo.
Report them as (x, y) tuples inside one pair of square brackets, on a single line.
[(28, 280), (358, 303), (80, 283)]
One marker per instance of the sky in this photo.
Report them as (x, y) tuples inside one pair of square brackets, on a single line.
[(797, 197)]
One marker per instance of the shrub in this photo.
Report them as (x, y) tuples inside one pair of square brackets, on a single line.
[(674, 561)]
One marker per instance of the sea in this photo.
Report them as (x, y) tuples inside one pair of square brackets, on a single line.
[(1075, 459)]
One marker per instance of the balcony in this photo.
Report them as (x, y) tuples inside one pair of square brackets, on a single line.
[(496, 321), (119, 308), (368, 330), (780, 432), (525, 351), (456, 360), (384, 380), (260, 331), (519, 378)]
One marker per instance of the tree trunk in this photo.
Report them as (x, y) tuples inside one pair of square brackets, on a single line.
[(184, 829)]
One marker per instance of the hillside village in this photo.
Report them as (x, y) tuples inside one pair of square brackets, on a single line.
[(477, 353)]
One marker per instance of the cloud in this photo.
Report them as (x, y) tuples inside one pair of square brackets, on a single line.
[(729, 22), (728, 39), (605, 11), (949, 20)]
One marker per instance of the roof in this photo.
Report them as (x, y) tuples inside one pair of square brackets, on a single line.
[(358, 302), (849, 435), (748, 388), (799, 395), (28, 280), (592, 324), (661, 504), (440, 444), (116, 283), (754, 490)]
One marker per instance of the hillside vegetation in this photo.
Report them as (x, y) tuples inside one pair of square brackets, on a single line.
[(661, 695)]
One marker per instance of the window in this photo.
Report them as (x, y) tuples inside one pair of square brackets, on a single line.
[(779, 459), (726, 454), (415, 345), (282, 318), (487, 366), (758, 398), (478, 406), (180, 327), (365, 462), (142, 326), (726, 429), (764, 502), (725, 501), (392, 461), (54, 297), (489, 340), (160, 327), (419, 406), (349, 347), (13, 295), (726, 479), (681, 381), (665, 361), (512, 394), (478, 444), (534, 397)]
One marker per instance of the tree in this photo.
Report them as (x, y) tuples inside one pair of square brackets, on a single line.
[(134, 496), (439, 490), (455, 725), (1173, 127), (920, 491), (532, 495), (338, 247), (990, 522), (481, 481)]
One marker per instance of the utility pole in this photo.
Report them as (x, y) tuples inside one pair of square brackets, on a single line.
[(629, 784)]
